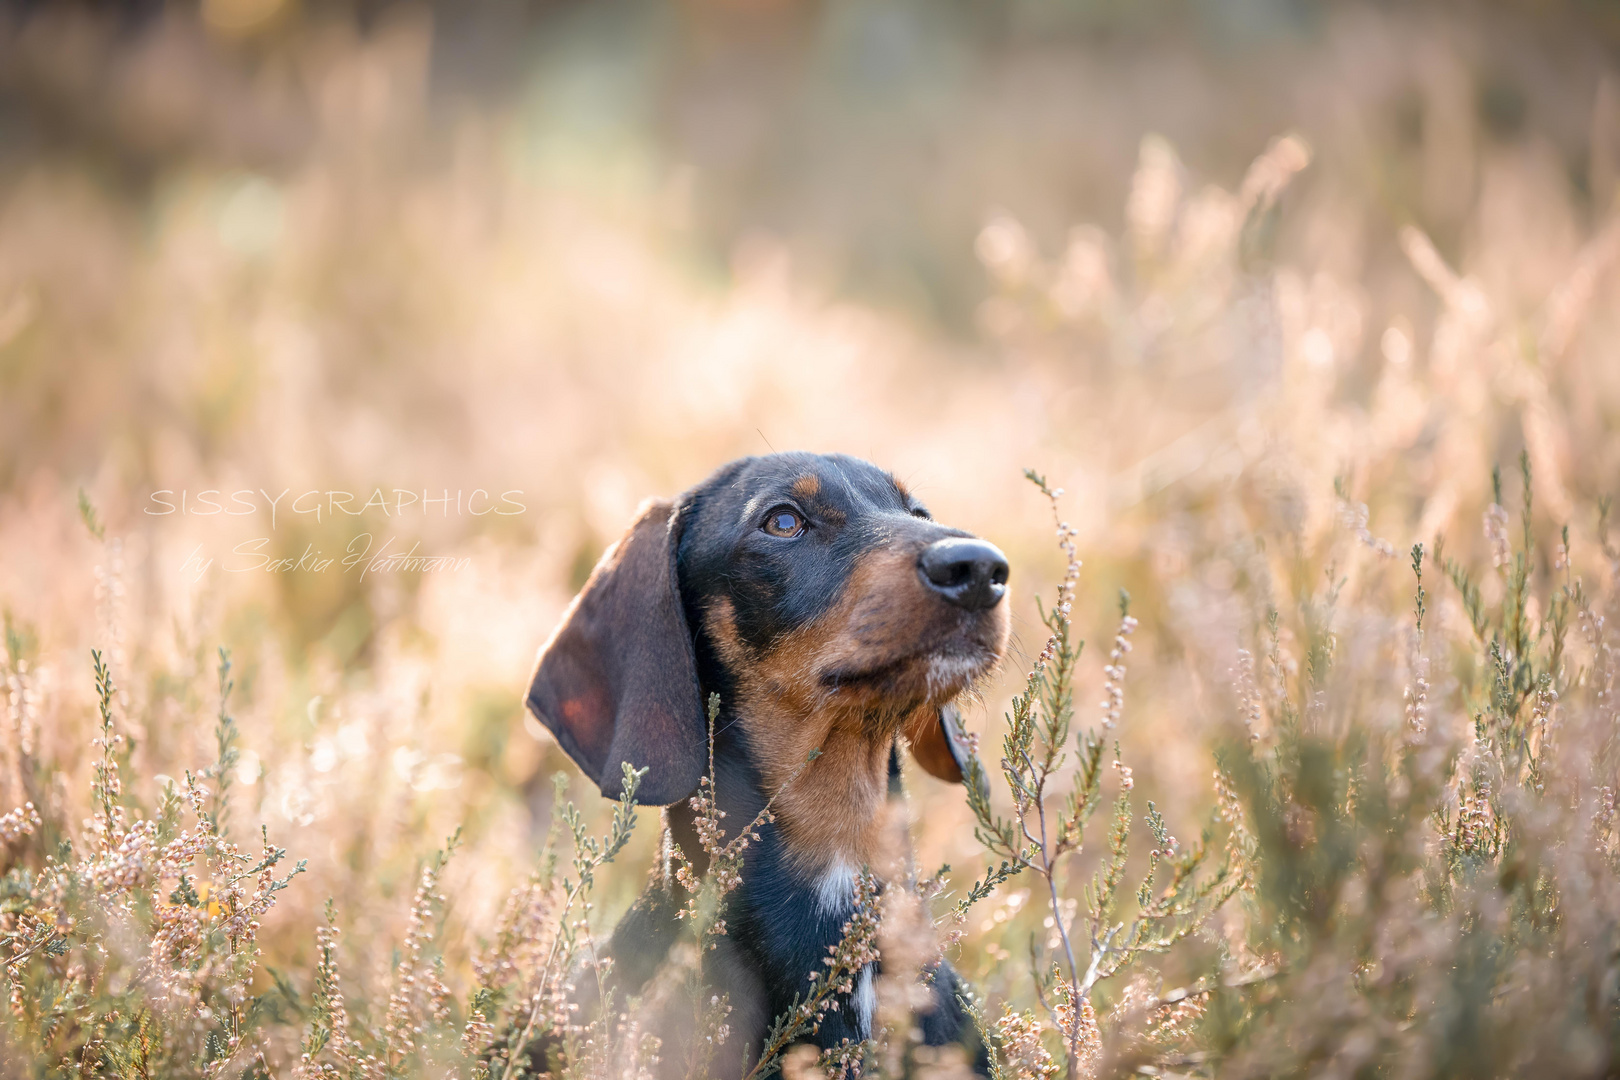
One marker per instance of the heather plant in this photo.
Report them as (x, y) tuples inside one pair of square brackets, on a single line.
[(520, 1016), (133, 941), (1384, 675), (1046, 830), (709, 882), (1423, 890), (1433, 890)]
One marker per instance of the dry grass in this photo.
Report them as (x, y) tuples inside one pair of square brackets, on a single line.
[(1258, 392)]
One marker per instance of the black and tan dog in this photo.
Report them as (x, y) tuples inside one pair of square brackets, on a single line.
[(828, 610)]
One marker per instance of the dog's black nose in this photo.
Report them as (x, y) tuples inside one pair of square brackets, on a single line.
[(970, 573)]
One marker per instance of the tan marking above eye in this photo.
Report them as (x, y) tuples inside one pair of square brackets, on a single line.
[(807, 486), (784, 521)]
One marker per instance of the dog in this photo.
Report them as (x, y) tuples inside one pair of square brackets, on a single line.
[(829, 611)]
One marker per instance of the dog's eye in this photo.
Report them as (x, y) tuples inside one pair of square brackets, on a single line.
[(921, 512), (784, 521)]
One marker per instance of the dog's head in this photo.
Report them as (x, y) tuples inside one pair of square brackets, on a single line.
[(811, 587)]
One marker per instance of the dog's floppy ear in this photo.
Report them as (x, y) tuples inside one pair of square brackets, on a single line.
[(617, 682), (937, 744)]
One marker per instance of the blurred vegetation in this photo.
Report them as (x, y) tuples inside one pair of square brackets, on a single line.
[(1275, 291)]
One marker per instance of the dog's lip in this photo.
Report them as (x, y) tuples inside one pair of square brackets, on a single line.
[(982, 658)]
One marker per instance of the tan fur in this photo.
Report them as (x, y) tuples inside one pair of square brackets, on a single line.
[(807, 486), (930, 747), (884, 620)]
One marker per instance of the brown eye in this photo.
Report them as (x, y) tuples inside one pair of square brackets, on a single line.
[(784, 521)]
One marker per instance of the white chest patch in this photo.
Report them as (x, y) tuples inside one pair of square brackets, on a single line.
[(865, 1001), (835, 889)]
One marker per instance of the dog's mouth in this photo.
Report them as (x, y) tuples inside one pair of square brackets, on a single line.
[(937, 674), (885, 662)]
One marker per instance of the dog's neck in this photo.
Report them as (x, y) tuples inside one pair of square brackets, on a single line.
[(821, 753), (830, 811)]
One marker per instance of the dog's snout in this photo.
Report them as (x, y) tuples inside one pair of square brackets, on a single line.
[(971, 574)]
